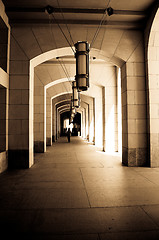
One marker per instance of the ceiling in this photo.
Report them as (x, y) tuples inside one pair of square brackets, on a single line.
[(128, 12)]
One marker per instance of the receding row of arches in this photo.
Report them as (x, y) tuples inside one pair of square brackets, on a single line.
[(119, 112)]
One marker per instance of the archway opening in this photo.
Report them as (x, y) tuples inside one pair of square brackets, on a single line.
[(76, 131), (96, 107), (65, 124)]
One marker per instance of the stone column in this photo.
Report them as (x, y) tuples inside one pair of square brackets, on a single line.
[(48, 121), (104, 118), (118, 71), (111, 117), (134, 132), (39, 116), (94, 123), (2, 119), (83, 126), (59, 124), (3, 129), (152, 74), (91, 122), (53, 122), (89, 101), (57, 119), (86, 114), (4, 32), (4, 85), (98, 118), (20, 151)]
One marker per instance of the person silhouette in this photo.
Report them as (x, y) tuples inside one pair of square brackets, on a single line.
[(68, 134)]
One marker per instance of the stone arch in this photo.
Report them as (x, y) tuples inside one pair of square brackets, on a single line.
[(58, 98), (128, 157), (62, 52), (122, 51), (153, 90), (84, 99)]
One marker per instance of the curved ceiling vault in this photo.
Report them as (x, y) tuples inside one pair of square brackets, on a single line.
[(52, 71), (62, 102), (110, 42)]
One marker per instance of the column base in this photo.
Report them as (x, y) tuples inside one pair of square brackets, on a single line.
[(48, 141), (154, 149), (135, 157), (3, 161), (154, 156), (18, 159), (39, 147)]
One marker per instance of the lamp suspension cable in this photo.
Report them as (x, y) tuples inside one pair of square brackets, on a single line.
[(52, 14), (63, 66), (65, 23), (67, 78), (65, 70), (100, 25), (50, 11), (98, 30), (67, 75)]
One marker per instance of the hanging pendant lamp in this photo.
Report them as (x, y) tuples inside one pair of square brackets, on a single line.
[(71, 117), (82, 65), (76, 96), (72, 111)]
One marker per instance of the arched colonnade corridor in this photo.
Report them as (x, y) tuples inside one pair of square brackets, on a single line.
[(36, 77), (90, 177)]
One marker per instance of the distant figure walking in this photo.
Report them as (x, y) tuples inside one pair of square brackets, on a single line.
[(68, 134)]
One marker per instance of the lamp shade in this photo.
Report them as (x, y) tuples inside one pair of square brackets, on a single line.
[(73, 110), (71, 117), (82, 65), (76, 95)]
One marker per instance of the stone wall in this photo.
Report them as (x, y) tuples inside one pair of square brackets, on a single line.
[(152, 86), (4, 86)]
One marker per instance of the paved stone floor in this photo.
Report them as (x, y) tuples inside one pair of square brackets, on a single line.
[(75, 192)]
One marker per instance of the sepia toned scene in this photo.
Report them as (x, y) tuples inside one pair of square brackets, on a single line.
[(79, 119)]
